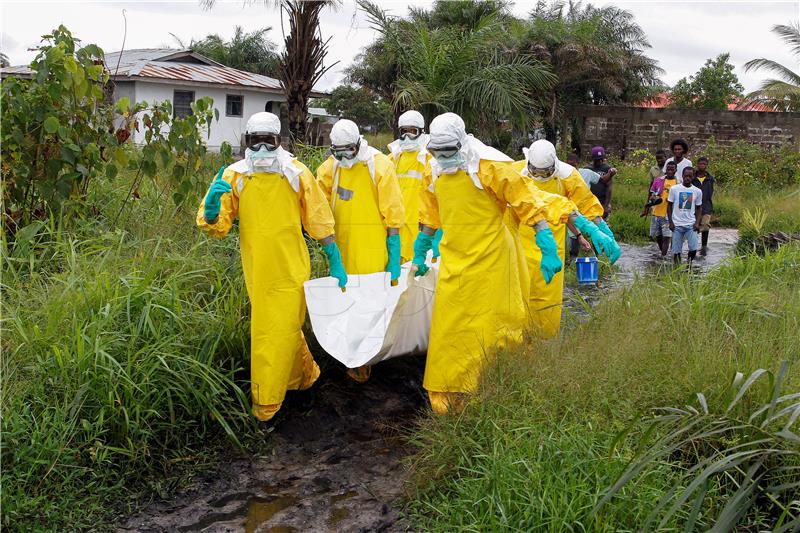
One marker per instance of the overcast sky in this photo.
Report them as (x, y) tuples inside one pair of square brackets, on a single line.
[(683, 33)]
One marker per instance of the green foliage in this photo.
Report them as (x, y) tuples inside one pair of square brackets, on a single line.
[(749, 457), (60, 132), (359, 105), (123, 351), (783, 92), (251, 52), (471, 71), (596, 53), (715, 86), (745, 164), (55, 129), (539, 447)]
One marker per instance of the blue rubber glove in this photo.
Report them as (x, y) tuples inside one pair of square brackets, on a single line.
[(604, 244), (437, 238), (604, 227), (551, 263), (335, 262), (215, 192), (422, 244), (393, 247)]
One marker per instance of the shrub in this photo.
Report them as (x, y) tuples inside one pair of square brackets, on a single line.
[(745, 165)]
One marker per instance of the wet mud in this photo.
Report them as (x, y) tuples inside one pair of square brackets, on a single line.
[(339, 465), (334, 467)]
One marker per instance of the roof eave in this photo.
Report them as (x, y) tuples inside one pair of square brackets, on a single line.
[(192, 83)]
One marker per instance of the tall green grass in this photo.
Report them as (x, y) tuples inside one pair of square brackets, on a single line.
[(124, 349), (535, 450)]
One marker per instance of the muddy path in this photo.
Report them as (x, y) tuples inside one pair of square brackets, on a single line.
[(339, 466), (335, 467)]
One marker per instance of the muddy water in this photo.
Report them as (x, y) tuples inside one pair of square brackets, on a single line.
[(338, 467)]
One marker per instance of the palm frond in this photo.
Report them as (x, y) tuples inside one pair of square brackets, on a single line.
[(773, 66), (790, 34)]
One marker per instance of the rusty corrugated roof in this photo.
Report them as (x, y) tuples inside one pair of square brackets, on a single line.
[(204, 74)]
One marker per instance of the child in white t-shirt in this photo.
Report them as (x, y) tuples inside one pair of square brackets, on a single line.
[(684, 208)]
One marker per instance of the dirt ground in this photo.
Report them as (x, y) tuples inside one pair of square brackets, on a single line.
[(336, 467)]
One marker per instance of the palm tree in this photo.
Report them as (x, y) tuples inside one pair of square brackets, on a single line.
[(598, 55), (302, 61), (251, 52), (468, 70), (781, 93), (4, 60)]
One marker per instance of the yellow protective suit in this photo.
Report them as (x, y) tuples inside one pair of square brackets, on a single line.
[(478, 305), (275, 261), (409, 170), (364, 207), (545, 301)]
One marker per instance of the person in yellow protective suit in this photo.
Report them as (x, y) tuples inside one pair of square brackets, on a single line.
[(544, 171), (361, 185), (410, 161), (478, 306), (274, 196)]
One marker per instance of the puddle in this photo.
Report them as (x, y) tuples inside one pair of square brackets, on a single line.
[(339, 466)]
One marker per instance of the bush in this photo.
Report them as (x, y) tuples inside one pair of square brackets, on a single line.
[(745, 165)]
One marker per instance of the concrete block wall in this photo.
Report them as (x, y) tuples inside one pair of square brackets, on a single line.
[(625, 129)]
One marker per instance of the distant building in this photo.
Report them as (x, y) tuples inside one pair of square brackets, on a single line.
[(183, 76), (662, 100)]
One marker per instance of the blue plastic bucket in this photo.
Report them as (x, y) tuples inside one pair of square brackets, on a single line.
[(587, 270)]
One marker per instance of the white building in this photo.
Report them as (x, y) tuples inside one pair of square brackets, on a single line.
[(183, 76)]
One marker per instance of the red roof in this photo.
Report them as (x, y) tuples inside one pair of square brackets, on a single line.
[(662, 100)]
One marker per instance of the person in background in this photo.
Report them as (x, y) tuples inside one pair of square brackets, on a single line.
[(679, 149), (659, 193), (478, 304), (602, 189), (410, 161), (362, 188), (656, 171), (590, 177), (684, 207), (275, 197), (705, 182)]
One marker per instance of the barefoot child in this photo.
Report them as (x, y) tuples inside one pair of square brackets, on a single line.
[(659, 224), (684, 207)]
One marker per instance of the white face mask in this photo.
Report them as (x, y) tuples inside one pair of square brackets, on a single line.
[(409, 145), (347, 163), (451, 165), (264, 160)]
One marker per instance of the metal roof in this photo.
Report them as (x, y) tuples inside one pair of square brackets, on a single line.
[(169, 64)]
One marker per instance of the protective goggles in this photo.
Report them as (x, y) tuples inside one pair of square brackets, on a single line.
[(348, 151), (442, 152), (255, 141), (410, 132), (541, 172)]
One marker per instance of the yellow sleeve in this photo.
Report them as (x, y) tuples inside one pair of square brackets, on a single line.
[(325, 177), (229, 208), (315, 211), (390, 199), (428, 204), (512, 188), (580, 194), (559, 208)]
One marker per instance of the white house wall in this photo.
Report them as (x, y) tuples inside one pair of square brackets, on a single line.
[(228, 129)]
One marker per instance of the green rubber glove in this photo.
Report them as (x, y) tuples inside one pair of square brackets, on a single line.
[(551, 264), (335, 262), (604, 244), (422, 244), (605, 228), (213, 204), (393, 247), (437, 238)]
